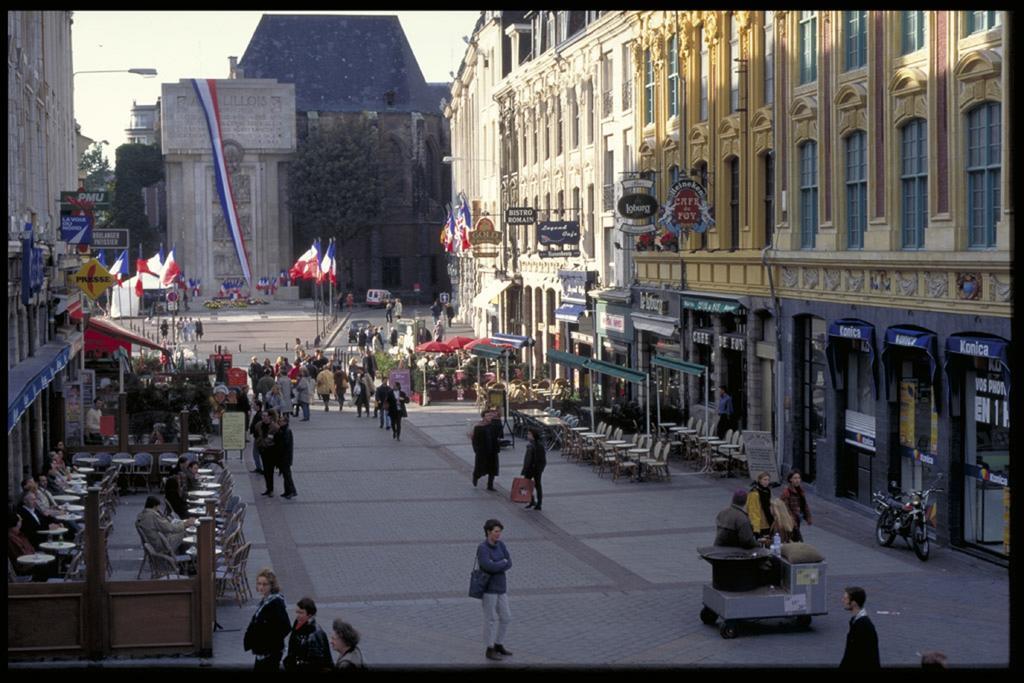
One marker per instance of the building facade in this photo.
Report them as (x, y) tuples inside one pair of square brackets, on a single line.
[(43, 350)]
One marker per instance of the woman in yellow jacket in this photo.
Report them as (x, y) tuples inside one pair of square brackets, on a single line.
[(759, 505), (325, 386)]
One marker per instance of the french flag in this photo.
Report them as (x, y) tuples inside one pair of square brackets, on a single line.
[(154, 265), (464, 221), (120, 268), (327, 265), (171, 271), (303, 268)]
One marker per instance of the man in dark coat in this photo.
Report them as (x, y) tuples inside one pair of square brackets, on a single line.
[(861, 652), (381, 396), (255, 371), (284, 444), (199, 329), (361, 338), (370, 365), (485, 449), (734, 529)]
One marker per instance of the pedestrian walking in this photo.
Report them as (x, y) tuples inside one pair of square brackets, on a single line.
[(861, 652), (257, 420), (533, 466), (782, 521), (796, 501), (759, 507), (397, 411), (199, 329), (325, 386), (349, 300), (285, 388), (284, 444), (725, 411), (265, 433), (389, 311), (268, 627), (361, 339), (377, 341), (381, 396), (308, 647), (304, 393), (398, 308), (361, 395), (370, 365), (493, 558), (340, 384), (485, 451), (438, 331), (435, 310), (345, 641), (164, 329), (255, 371), (394, 337), (449, 312)]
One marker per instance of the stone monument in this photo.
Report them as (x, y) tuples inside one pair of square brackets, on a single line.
[(257, 120)]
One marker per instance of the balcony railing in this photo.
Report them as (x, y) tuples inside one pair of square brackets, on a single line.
[(607, 103), (608, 198), (627, 95)]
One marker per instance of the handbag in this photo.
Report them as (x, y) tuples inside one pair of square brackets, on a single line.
[(522, 490), (478, 580)]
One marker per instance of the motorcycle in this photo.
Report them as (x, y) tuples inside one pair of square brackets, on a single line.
[(904, 514)]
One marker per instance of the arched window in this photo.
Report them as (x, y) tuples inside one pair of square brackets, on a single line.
[(856, 189), (913, 183), (984, 152)]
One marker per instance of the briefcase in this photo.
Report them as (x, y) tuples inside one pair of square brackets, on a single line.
[(522, 490)]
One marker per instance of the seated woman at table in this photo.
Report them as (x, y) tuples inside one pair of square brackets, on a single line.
[(180, 466), (19, 545), (157, 435), (163, 534), (174, 493), (191, 475)]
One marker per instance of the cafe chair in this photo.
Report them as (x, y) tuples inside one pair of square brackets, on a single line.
[(142, 468), (162, 566), (233, 575), (103, 461), (167, 462)]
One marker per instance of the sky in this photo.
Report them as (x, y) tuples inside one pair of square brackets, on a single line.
[(197, 45)]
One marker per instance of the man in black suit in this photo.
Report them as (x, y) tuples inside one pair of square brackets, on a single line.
[(862, 641), (33, 520)]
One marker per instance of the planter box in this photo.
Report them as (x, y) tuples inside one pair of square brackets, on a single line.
[(448, 396)]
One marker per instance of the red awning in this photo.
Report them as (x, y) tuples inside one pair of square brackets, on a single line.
[(105, 336)]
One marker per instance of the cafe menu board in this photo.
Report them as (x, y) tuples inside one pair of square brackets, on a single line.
[(760, 451), (233, 431)]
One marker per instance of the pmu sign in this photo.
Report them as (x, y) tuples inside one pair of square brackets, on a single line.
[(80, 202)]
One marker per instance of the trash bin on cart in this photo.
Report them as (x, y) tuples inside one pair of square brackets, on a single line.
[(754, 584)]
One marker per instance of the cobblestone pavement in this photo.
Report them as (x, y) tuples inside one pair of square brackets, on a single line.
[(383, 533)]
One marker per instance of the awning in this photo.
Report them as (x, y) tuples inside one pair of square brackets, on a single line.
[(912, 337), (102, 328), (569, 313), (658, 324), (850, 328), (516, 341), (27, 379), (570, 360), (487, 351), (490, 291), (606, 368), (711, 303), (618, 296), (679, 365), (966, 345)]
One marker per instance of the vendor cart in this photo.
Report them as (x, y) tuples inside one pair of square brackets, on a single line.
[(753, 584)]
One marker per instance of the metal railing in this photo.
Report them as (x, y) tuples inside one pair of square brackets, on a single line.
[(608, 198), (627, 95), (607, 103)]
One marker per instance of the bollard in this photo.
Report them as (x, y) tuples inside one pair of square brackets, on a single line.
[(264, 346), (239, 348)]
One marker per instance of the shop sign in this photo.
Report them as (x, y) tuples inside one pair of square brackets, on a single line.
[(33, 272), (710, 305), (653, 303), (520, 215), (732, 343), (76, 229), (637, 206), (686, 208), (558, 232), (574, 285), (639, 223), (93, 279), (485, 239), (79, 202), (702, 337), (860, 430), (581, 338), (610, 321), (109, 239)]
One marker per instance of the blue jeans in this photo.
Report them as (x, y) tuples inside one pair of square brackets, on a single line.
[(497, 617), (305, 409)]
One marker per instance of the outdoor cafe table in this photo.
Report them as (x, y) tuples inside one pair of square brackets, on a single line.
[(192, 551), (205, 470), (533, 412), (90, 460), (71, 507), (210, 486), (123, 461), (59, 547), (197, 511), (201, 494), (69, 518), (54, 532), (580, 430), (67, 498), (36, 559), (549, 420)]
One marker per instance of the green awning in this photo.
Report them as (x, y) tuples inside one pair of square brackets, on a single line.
[(679, 365), (570, 360), (487, 351), (615, 371), (704, 305)]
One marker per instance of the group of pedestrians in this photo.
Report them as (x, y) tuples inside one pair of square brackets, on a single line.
[(308, 646), (188, 329)]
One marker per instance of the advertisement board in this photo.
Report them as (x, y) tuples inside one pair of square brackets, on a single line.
[(233, 431)]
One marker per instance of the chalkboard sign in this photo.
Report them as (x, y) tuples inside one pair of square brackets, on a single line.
[(233, 431), (760, 451)]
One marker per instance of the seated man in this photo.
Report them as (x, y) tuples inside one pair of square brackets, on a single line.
[(163, 534), (34, 520), (174, 491), (734, 529), (18, 545), (47, 503)]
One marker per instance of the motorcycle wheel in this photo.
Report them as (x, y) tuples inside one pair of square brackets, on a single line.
[(885, 534), (922, 546)]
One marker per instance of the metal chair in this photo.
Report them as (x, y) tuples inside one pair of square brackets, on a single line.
[(143, 468)]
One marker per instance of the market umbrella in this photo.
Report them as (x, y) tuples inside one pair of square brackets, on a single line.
[(482, 340), (433, 347), (459, 342)]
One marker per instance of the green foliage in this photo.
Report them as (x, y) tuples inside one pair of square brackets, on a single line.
[(137, 166), (334, 183), (96, 168)]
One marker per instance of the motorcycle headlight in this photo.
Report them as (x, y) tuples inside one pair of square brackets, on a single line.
[(916, 500)]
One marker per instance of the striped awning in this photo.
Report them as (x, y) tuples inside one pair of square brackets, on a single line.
[(569, 313), (514, 340), (28, 378)]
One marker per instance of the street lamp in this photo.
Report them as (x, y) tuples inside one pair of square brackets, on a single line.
[(145, 72)]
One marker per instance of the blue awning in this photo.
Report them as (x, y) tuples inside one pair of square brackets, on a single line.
[(514, 340), (967, 345), (850, 328), (911, 337), (28, 378), (569, 313)]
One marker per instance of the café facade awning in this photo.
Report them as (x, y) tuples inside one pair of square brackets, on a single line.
[(569, 313), (570, 360), (661, 325), (516, 341), (679, 365), (612, 370), (106, 336), (712, 303), (27, 379), (490, 291), (487, 351)]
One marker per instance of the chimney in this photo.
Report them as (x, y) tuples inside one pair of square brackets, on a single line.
[(233, 70)]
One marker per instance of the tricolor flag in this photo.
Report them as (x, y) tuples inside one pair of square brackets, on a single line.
[(171, 271), (327, 265), (102, 258), (120, 268), (464, 221), (154, 265), (305, 265), (206, 92), (448, 233)]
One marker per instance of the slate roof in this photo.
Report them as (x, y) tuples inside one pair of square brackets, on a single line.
[(340, 63)]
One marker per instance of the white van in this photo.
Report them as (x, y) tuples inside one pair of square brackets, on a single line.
[(377, 298)]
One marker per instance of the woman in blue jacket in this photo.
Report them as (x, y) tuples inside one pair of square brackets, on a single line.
[(493, 558)]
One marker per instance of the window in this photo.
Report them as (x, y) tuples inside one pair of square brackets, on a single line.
[(673, 175), (547, 130), (702, 177), (536, 124), (575, 210), (912, 29), (703, 74), (558, 125), (608, 193), (856, 189), (982, 21), (769, 197), (769, 57), (628, 159), (561, 205), (984, 149), (575, 140), (734, 204), (673, 76), (855, 24), (588, 235), (648, 88), (812, 368), (914, 184), (392, 271), (734, 63), (808, 47), (524, 149), (627, 77), (808, 194), (590, 112), (606, 85)]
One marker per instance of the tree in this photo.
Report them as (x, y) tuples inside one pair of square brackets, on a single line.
[(334, 183), (98, 175), (137, 166)]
